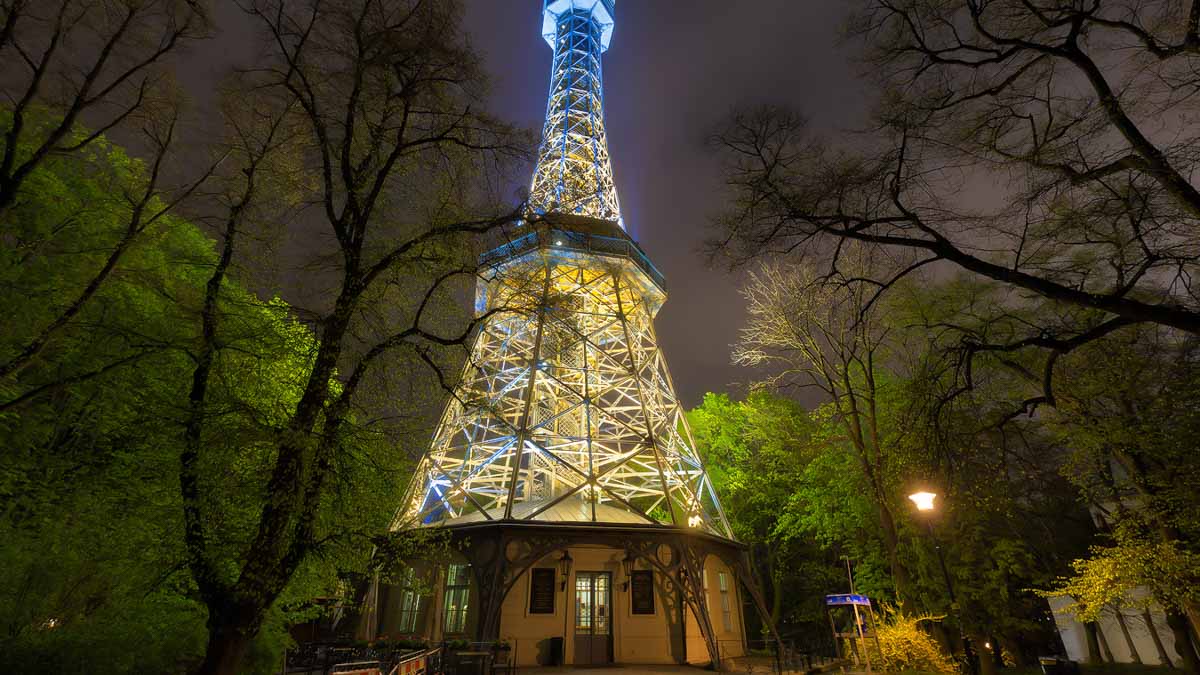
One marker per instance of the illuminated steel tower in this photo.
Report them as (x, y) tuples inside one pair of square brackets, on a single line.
[(564, 429), (566, 410)]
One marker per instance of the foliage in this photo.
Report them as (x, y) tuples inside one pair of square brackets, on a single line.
[(755, 451), (906, 646), (1115, 575), (93, 575)]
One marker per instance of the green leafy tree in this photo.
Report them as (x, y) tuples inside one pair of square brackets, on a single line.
[(94, 574), (755, 451), (821, 334)]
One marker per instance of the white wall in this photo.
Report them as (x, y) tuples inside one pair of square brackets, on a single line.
[(1075, 638)]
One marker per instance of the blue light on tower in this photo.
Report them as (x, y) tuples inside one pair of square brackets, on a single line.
[(574, 173)]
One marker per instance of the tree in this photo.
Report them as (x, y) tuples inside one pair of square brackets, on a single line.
[(755, 451), (1131, 417), (95, 62), (1009, 141), (387, 90), (1109, 578), (822, 334), (94, 572), (138, 198), (1007, 520), (1116, 426)]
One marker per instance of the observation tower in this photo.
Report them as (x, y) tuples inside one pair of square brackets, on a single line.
[(563, 465)]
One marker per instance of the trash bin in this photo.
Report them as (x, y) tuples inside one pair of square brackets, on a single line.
[(556, 651), (1057, 665)]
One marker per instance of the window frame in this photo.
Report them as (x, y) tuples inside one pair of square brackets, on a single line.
[(726, 604), (410, 603), (458, 587)]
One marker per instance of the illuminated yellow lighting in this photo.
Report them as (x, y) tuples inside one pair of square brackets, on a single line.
[(923, 500), (694, 521)]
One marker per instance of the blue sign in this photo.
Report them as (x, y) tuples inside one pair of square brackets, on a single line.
[(848, 599)]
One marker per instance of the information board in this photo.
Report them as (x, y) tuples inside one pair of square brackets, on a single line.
[(541, 591), (641, 591)]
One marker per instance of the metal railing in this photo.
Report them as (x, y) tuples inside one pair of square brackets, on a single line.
[(554, 239), (330, 658), (765, 656)]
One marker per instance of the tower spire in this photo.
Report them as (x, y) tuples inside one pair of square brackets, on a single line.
[(574, 173)]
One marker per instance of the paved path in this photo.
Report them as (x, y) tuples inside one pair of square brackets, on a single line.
[(613, 669)]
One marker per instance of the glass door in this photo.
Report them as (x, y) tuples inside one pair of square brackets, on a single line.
[(593, 618)]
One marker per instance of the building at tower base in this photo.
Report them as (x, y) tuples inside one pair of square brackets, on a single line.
[(581, 595)]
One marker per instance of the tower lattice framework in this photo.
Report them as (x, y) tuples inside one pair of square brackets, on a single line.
[(565, 411), (574, 173)]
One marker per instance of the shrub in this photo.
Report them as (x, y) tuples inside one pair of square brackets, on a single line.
[(906, 646)]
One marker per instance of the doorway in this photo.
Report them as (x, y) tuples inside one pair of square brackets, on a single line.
[(593, 618)]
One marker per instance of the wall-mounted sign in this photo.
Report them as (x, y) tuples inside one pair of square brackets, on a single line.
[(541, 590), (641, 591)]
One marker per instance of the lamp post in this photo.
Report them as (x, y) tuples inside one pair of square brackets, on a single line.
[(924, 501)]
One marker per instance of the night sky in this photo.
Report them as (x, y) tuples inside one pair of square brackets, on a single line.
[(674, 70)]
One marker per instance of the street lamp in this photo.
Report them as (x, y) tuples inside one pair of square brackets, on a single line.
[(564, 568), (627, 567), (924, 501)]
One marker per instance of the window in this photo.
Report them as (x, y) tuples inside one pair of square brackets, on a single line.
[(726, 607), (458, 594), (410, 604)]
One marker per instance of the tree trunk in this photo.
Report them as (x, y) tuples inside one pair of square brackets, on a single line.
[(997, 652), (227, 645), (1093, 642), (1013, 647), (987, 664), (1133, 652), (1183, 641), (1158, 644), (939, 632), (900, 576)]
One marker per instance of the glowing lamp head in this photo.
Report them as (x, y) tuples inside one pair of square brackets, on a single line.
[(923, 500), (694, 520)]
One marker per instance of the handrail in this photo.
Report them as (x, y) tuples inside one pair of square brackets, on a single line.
[(556, 239)]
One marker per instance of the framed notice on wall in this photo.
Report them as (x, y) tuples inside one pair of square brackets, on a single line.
[(641, 591), (541, 590)]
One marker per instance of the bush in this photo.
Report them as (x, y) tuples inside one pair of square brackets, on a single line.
[(906, 646)]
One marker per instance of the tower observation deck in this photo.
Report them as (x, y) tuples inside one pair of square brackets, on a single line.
[(566, 412)]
